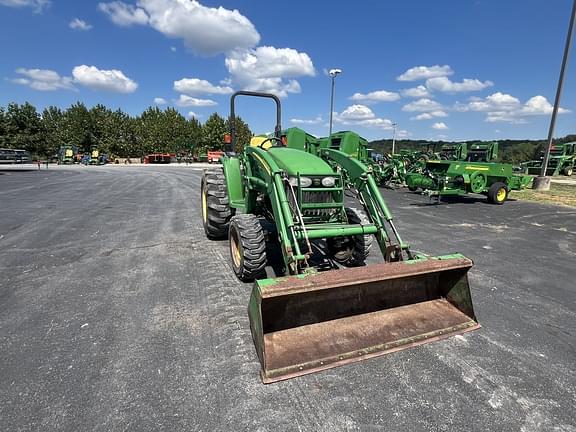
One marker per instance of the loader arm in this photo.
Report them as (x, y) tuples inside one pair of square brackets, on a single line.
[(360, 177)]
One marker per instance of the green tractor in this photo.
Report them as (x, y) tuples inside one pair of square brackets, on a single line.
[(67, 154), (287, 194), (94, 155), (562, 161)]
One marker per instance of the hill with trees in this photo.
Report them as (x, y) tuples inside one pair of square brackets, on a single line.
[(510, 151)]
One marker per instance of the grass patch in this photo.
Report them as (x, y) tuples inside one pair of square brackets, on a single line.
[(562, 194)]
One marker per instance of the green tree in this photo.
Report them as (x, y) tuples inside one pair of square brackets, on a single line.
[(24, 129), (3, 128), (213, 132), (193, 136), (123, 138), (53, 120), (243, 134), (78, 127), (162, 131)]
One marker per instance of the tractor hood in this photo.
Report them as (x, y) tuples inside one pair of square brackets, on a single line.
[(297, 161)]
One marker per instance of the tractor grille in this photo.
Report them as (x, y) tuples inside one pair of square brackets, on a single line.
[(314, 198), (317, 198)]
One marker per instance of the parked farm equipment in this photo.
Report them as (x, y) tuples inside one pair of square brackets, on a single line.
[(444, 178), (311, 320), (67, 154), (454, 151), (562, 161), (482, 152)]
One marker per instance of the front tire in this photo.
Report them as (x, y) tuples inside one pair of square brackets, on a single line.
[(498, 193), (247, 247), (354, 250), (216, 211), (568, 171)]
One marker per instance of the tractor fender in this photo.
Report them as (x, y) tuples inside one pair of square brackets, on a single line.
[(231, 166)]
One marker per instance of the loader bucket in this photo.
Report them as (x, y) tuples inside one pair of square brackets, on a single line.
[(306, 323)]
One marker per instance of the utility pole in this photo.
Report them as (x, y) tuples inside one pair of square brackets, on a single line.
[(333, 73), (394, 137), (542, 182)]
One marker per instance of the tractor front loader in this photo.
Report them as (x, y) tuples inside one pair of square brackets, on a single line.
[(310, 320)]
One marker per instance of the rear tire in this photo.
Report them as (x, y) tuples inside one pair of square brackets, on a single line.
[(498, 193), (568, 171), (351, 251), (216, 211), (412, 188), (247, 247)]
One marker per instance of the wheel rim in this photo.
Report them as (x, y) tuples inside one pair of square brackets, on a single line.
[(204, 206), (478, 183), (235, 249), (501, 195)]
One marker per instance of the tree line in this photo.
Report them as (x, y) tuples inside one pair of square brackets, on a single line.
[(155, 130), (113, 132), (510, 151)]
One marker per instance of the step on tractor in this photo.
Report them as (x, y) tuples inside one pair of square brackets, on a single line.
[(452, 178), (285, 194), (562, 161)]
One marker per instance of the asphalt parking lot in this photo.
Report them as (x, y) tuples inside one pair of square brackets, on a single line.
[(116, 313)]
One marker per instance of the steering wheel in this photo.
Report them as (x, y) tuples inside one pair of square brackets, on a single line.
[(272, 140)]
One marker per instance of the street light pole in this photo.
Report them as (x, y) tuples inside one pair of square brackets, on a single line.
[(542, 182), (394, 137), (333, 73)]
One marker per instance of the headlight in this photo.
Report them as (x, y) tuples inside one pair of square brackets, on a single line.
[(304, 181), (328, 181)]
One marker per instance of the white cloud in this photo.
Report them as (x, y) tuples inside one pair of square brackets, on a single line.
[(361, 115), (429, 115), (110, 80), (376, 96), (425, 72), (43, 80), (416, 92), (539, 105), (315, 121), (78, 24), (443, 84), (160, 101), (356, 112), (268, 69), (37, 5), (173, 49), (187, 101), (495, 102), (439, 126), (204, 30), (123, 14), (193, 86), (423, 105), (501, 107), (192, 114)]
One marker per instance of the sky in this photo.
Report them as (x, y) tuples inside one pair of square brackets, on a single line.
[(429, 70)]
